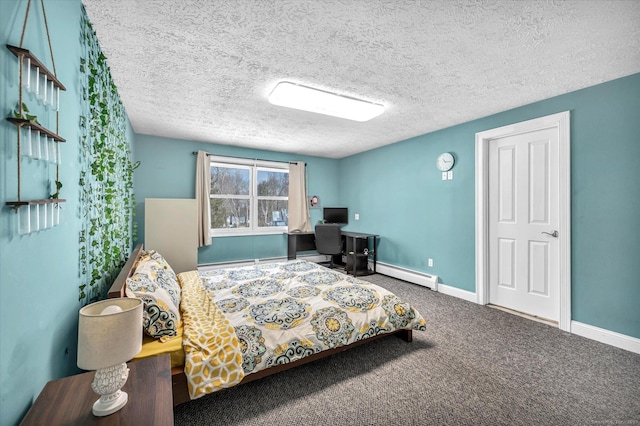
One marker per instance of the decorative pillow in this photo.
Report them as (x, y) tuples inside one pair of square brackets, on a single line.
[(149, 282), (158, 320), (166, 278)]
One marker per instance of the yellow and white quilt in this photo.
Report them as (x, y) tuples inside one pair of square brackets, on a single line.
[(276, 313), (213, 359)]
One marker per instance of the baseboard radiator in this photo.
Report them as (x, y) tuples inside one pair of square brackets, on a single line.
[(415, 277), (249, 262)]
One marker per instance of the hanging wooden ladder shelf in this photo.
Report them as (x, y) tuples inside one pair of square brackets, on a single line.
[(40, 143)]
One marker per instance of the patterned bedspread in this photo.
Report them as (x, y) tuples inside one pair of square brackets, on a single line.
[(282, 312)]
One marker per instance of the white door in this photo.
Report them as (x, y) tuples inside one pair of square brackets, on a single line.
[(524, 264)]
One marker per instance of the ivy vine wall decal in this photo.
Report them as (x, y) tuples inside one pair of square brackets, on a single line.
[(106, 173)]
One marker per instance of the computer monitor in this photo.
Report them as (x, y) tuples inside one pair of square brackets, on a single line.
[(335, 215)]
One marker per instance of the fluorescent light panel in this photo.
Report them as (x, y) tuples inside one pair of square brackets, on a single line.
[(295, 96)]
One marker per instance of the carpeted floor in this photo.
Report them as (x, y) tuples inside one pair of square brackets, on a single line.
[(473, 366)]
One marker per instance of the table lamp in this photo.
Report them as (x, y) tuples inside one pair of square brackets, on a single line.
[(109, 335)]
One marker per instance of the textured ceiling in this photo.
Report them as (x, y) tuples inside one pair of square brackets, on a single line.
[(202, 70)]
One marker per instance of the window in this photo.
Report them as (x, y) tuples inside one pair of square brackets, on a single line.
[(248, 197)]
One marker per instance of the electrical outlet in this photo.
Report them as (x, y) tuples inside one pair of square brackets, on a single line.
[(430, 263), (357, 216)]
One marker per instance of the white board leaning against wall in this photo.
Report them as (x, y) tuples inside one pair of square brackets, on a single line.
[(170, 228)]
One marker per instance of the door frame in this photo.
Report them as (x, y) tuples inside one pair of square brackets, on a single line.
[(561, 122)]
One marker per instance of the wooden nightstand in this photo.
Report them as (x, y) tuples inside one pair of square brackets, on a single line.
[(68, 401)]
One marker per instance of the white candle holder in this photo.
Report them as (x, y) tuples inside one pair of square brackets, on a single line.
[(51, 212), (35, 217), (43, 91), (25, 145), (24, 220), (44, 148), (44, 217), (51, 145), (36, 148), (35, 85), (56, 214), (26, 73), (58, 158), (51, 98)]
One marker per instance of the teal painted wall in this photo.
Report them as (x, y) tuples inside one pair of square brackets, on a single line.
[(39, 272), (399, 194), (167, 170)]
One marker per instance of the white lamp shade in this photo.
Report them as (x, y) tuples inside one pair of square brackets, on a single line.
[(109, 333)]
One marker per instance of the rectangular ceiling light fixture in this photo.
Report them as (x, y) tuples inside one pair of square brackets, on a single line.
[(293, 95)]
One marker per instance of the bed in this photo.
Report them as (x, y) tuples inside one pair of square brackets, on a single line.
[(224, 327)]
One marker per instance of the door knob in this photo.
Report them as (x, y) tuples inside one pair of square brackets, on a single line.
[(554, 234)]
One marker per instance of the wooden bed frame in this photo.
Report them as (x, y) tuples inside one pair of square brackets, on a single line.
[(179, 379)]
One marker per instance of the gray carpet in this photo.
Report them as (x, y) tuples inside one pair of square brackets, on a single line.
[(473, 366)]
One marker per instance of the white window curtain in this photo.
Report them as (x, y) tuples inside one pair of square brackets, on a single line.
[(299, 219), (203, 190)]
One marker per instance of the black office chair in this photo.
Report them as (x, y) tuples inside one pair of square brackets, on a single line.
[(328, 241)]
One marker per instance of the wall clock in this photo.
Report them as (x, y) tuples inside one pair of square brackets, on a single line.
[(445, 161)]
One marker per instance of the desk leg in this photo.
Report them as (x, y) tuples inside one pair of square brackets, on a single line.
[(375, 254), (355, 258), (291, 246)]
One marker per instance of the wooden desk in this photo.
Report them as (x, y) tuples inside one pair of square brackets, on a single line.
[(299, 241), (68, 401), (356, 243)]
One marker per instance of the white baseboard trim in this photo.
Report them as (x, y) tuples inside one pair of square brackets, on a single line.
[(602, 335), (415, 277), (457, 292)]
